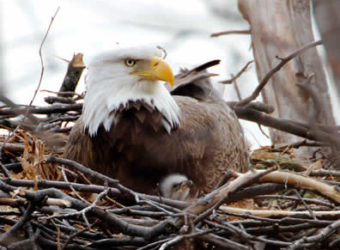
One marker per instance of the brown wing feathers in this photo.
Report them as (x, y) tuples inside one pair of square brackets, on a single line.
[(196, 83)]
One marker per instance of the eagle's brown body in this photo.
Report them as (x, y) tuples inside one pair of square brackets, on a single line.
[(140, 152), (208, 142)]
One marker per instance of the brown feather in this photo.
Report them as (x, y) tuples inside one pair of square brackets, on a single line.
[(140, 116)]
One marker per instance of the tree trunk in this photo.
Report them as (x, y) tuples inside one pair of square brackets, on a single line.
[(327, 14), (279, 28)]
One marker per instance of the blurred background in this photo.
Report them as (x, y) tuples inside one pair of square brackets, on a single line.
[(183, 28)]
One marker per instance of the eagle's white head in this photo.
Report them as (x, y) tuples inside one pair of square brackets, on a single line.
[(124, 75), (175, 186)]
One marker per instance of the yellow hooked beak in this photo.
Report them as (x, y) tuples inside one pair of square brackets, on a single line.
[(157, 70)]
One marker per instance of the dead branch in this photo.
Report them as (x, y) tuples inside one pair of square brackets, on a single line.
[(231, 32), (41, 58), (281, 213), (326, 232), (288, 178), (83, 169), (315, 201), (59, 99), (238, 74), (56, 108), (73, 74), (289, 126), (324, 172), (60, 185)]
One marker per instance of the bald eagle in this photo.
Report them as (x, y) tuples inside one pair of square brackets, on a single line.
[(134, 129), (175, 186)]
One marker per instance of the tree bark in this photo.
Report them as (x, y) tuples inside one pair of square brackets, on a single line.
[(278, 28), (327, 14)]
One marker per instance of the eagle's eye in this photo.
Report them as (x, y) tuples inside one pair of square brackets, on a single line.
[(176, 185), (130, 62)]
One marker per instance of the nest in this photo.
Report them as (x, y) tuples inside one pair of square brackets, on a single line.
[(49, 202)]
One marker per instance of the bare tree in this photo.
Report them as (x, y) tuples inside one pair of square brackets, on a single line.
[(299, 90)]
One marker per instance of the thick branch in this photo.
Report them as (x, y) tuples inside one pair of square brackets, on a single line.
[(73, 74)]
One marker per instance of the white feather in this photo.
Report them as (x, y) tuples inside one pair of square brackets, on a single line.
[(110, 84), (167, 184)]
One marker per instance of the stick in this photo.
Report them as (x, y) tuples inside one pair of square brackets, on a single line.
[(280, 213), (83, 169), (229, 32), (73, 74), (323, 234), (238, 74), (299, 181)]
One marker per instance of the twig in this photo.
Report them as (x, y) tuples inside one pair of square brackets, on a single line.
[(20, 222), (4, 170), (305, 205), (59, 184), (326, 232), (40, 56), (83, 212), (59, 99), (178, 238), (72, 236), (302, 143), (153, 244), (56, 108), (223, 242), (26, 113), (238, 74), (279, 213), (315, 201), (67, 93), (259, 106), (82, 169), (324, 172), (243, 233), (227, 176), (41, 74), (40, 80), (158, 207), (119, 241), (229, 32), (237, 89), (70, 186)]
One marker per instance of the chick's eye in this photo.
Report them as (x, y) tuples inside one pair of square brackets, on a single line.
[(130, 62)]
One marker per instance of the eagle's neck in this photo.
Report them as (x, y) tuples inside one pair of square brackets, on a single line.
[(101, 104)]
